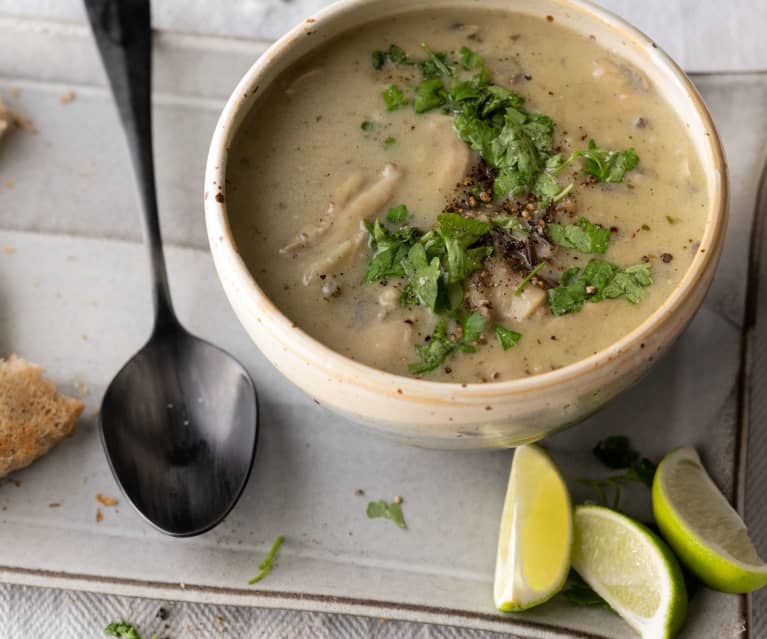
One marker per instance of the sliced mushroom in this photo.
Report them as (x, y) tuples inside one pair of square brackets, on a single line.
[(456, 156), (312, 233)]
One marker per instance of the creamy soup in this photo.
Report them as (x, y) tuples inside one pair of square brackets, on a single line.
[(439, 210)]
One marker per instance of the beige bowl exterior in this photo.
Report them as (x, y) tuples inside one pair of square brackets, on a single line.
[(449, 415)]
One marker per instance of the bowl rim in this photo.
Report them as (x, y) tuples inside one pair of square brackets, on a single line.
[(226, 254)]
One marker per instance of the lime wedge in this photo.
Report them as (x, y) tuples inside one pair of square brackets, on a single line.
[(701, 526), (536, 533), (631, 569)]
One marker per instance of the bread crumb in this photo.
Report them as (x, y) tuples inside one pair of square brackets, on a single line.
[(67, 97), (106, 500), (82, 388), (8, 249), (99, 516)]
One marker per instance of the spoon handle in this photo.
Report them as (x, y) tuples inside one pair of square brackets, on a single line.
[(123, 34)]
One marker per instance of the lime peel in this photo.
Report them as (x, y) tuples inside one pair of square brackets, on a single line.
[(702, 527)]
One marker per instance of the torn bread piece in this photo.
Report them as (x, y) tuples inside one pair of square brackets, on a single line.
[(34, 416)]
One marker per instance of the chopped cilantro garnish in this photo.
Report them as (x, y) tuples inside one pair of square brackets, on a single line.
[(459, 233), (472, 326), (391, 511), (394, 98), (523, 284), (507, 337), (436, 64), (425, 278), (378, 59), (397, 214), (390, 249), (470, 59), (367, 125), (394, 54), (122, 630), (583, 236), (578, 592), (266, 565), (432, 353), (389, 141), (616, 452), (606, 165), (510, 223), (597, 281), (429, 95)]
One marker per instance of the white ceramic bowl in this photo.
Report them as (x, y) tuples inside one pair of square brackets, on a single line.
[(454, 415)]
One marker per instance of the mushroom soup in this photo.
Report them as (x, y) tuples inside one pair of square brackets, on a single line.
[(466, 197)]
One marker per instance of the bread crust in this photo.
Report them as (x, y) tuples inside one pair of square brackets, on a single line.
[(34, 416)]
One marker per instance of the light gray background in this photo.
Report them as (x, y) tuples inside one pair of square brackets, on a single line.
[(703, 35)]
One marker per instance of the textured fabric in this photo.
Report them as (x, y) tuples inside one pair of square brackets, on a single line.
[(35, 613)]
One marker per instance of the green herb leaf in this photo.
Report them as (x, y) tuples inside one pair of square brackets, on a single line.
[(507, 337), (547, 188), (378, 59), (578, 592), (391, 511), (459, 233), (397, 55), (390, 248), (122, 630), (397, 214), (429, 94), (630, 283), (642, 471), (436, 63), (425, 278), (582, 236), (367, 125), (607, 165), (473, 325), (523, 284), (615, 452), (266, 565), (510, 223), (394, 98), (470, 59), (389, 141), (434, 352)]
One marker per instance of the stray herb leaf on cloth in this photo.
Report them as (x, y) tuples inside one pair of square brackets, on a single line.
[(266, 565), (391, 511), (616, 452), (122, 630)]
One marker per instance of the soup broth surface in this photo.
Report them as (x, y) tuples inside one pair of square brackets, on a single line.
[(321, 151)]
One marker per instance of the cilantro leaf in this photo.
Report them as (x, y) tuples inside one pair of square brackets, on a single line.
[(122, 630), (424, 277), (569, 297), (266, 565), (391, 511), (389, 141), (615, 452), (606, 165), (378, 59), (432, 353), (436, 63), (397, 55), (367, 125), (394, 98), (507, 337), (472, 326), (459, 233), (470, 59), (523, 284), (390, 249), (397, 214), (578, 592), (546, 187), (429, 94), (510, 223), (583, 236), (630, 283)]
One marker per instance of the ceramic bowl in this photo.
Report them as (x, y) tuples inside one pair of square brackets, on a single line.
[(453, 415)]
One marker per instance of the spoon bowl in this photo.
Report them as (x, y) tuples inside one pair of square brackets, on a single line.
[(177, 426)]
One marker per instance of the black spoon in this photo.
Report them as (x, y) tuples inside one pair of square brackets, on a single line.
[(179, 422)]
